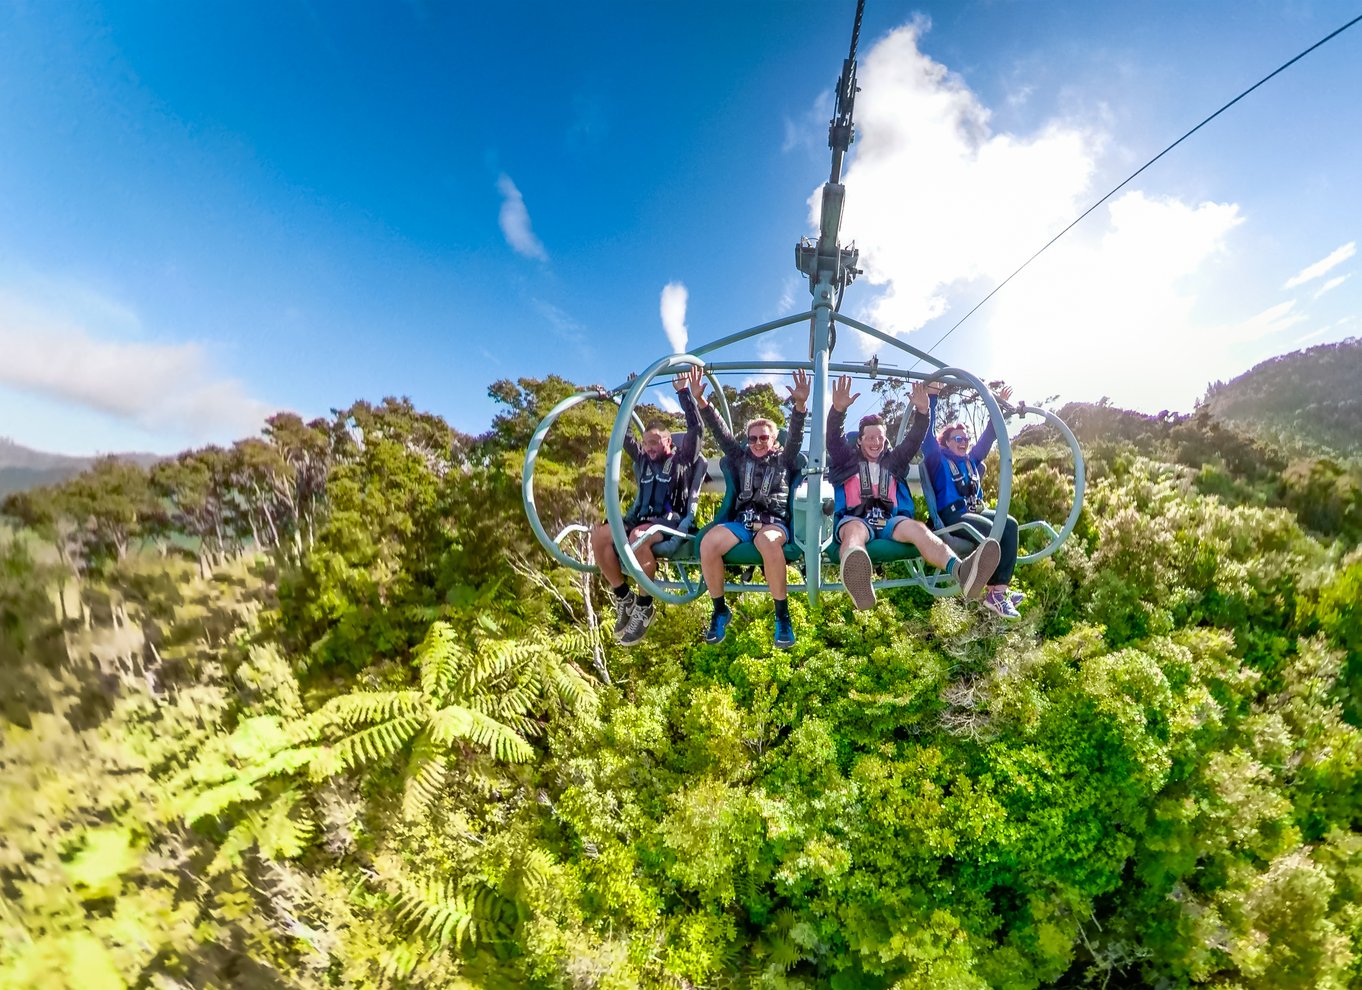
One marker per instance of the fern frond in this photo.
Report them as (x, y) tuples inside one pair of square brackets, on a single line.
[(426, 775), (400, 961), (239, 838), (216, 800), (573, 690), (378, 742), (281, 833), (437, 911), (457, 722), (442, 659), (365, 708)]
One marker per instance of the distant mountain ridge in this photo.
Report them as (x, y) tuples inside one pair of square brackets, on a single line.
[(22, 468), (1308, 400)]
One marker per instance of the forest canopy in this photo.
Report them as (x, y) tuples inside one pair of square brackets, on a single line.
[(315, 711)]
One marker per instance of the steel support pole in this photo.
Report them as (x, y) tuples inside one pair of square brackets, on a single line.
[(815, 426)]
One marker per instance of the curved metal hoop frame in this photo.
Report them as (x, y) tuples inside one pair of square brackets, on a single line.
[(554, 545), (1080, 474)]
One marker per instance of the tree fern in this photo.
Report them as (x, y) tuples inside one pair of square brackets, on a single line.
[(378, 742), (457, 722), (442, 659), (427, 771), (436, 910)]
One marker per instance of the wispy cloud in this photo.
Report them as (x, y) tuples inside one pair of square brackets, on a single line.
[(673, 309), (1319, 268), (76, 351), (1333, 283), (515, 221), (561, 322)]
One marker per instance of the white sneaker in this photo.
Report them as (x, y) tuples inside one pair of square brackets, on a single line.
[(858, 575), (974, 571)]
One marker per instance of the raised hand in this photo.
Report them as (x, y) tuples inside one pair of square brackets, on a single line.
[(1004, 393), (921, 396), (842, 396), (695, 381), (799, 393), (681, 382)]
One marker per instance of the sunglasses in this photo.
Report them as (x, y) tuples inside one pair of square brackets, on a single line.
[(958, 438), (758, 437)]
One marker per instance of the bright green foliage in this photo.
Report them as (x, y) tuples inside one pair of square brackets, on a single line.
[(402, 777)]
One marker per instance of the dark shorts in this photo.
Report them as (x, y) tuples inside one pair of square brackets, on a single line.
[(885, 532), (746, 535)]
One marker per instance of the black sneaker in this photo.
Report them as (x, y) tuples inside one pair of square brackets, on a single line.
[(624, 609), (974, 571), (858, 576), (640, 618)]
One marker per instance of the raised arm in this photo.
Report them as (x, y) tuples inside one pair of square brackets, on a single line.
[(980, 450), (695, 383), (794, 440), (903, 454), (690, 444), (840, 452)]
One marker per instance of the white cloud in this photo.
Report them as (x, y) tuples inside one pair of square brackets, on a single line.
[(1319, 268), (70, 351), (673, 309), (515, 221), (1333, 283), (943, 209), (666, 398)]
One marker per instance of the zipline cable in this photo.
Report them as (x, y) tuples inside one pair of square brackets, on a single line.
[(1281, 68)]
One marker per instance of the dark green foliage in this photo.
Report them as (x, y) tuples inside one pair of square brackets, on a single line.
[(1307, 400)]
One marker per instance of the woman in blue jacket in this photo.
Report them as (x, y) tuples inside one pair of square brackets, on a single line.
[(956, 473)]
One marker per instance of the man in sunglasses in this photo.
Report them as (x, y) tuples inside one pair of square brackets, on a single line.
[(871, 501), (763, 471), (663, 475), (956, 471)]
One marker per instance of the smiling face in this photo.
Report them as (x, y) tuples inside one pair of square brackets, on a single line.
[(872, 442), (656, 444), (761, 437), (955, 438)]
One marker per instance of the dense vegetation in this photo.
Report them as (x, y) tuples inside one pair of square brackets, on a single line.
[(315, 712), (1308, 400)]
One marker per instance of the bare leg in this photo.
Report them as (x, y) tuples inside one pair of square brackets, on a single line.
[(933, 550), (852, 534), (717, 542), (770, 543), (603, 546), (644, 552)]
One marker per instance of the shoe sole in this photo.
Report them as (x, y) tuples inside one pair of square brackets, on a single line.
[(858, 577), (978, 567)]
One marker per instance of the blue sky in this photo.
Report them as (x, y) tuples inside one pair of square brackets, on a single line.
[(211, 211)]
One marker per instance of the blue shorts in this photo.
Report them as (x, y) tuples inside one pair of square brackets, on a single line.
[(885, 532), (746, 535)]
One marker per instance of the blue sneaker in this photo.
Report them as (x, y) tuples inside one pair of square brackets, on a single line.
[(718, 627), (785, 637)]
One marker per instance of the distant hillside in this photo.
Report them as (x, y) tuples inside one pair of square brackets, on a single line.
[(1307, 400), (22, 468)]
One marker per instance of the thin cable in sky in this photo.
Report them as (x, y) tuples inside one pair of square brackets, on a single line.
[(1128, 179)]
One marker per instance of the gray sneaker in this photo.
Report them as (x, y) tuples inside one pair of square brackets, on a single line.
[(624, 608), (640, 618), (974, 571), (858, 575)]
